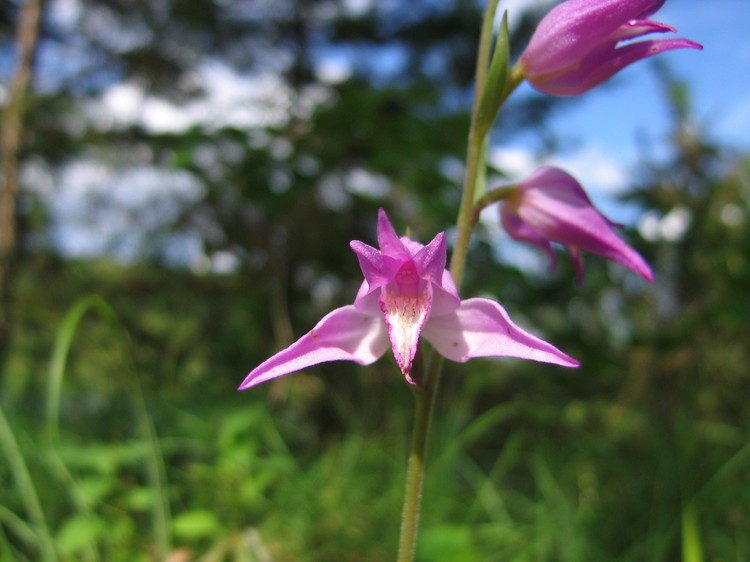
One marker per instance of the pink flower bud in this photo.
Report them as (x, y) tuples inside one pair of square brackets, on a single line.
[(577, 44), (551, 206)]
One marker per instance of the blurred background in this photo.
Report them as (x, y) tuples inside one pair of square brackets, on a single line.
[(181, 181)]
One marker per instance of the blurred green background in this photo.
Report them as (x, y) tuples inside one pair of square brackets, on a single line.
[(190, 176)]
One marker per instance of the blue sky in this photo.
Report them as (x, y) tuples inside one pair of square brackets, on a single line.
[(720, 74)]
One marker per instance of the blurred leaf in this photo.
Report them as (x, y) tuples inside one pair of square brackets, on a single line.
[(80, 532), (140, 499), (196, 524), (692, 551), (446, 543)]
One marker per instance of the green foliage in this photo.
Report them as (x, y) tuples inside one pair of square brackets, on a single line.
[(526, 463)]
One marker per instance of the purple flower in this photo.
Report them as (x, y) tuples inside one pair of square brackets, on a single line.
[(551, 206), (576, 45), (407, 293)]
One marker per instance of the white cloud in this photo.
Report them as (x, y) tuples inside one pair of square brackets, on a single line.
[(516, 163), (64, 13), (363, 182), (124, 101), (230, 99), (671, 227), (356, 8), (98, 210), (333, 70), (594, 168)]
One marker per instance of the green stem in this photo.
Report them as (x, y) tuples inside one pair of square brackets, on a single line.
[(463, 224), (515, 77), (474, 150), (488, 199), (475, 173), (414, 477), (425, 399), (425, 393)]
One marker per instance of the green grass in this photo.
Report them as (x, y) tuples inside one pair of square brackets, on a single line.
[(113, 451)]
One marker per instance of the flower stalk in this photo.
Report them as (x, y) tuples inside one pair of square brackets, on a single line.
[(415, 473), (475, 149), (474, 176)]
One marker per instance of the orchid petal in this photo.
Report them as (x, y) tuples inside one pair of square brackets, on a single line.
[(405, 314), (430, 259), (367, 300), (412, 246), (445, 297), (389, 242), (346, 333), (448, 285), (576, 256), (637, 28), (522, 232), (482, 328), (372, 264), (601, 66)]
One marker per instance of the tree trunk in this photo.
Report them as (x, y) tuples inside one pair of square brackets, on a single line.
[(10, 142)]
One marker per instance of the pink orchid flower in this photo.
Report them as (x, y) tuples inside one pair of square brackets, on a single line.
[(577, 44), (407, 294), (551, 206)]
